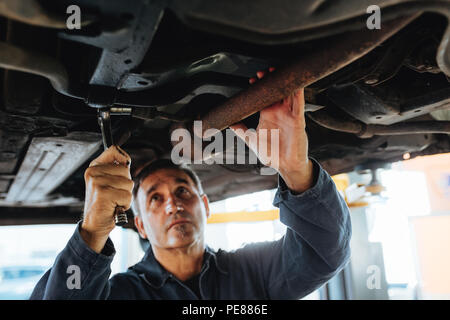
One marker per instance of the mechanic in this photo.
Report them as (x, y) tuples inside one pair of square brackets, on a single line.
[(171, 213)]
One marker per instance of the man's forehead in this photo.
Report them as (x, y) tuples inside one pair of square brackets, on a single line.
[(166, 175)]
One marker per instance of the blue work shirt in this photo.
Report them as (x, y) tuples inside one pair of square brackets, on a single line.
[(314, 249)]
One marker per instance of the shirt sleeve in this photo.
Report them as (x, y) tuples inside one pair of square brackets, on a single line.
[(314, 248), (78, 272)]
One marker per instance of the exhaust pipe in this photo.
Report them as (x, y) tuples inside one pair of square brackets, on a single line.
[(365, 131)]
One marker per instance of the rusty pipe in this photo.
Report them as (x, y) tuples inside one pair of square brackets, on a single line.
[(307, 70), (363, 130)]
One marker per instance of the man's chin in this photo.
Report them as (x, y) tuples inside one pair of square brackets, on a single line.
[(183, 232)]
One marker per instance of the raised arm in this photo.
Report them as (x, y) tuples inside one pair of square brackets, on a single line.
[(82, 269), (316, 244)]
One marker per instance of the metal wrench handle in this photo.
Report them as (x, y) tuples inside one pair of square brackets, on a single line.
[(104, 120)]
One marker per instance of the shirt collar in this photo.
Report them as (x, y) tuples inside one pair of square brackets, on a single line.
[(154, 274), (210, 253)]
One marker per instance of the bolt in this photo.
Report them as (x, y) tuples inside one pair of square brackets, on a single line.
[(371, 79), (121, 111)]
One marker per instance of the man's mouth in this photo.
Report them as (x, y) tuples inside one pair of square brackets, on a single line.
[(177, 222)]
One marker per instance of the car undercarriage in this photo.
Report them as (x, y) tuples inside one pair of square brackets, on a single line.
[(371, 95)]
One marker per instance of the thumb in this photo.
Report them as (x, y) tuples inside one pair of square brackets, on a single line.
[(298, 103), (111, 155)]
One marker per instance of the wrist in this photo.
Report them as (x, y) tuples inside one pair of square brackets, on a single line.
[(300, 179), (93, 240)]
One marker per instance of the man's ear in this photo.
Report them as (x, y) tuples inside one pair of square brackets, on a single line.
[(206, 203), (140, 226)]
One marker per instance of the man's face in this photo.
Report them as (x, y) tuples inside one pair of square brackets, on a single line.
[(172, 212)]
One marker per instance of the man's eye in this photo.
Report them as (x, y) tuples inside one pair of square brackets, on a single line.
[(155, 197), (183, 191)]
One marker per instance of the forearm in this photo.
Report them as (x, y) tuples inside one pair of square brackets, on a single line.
[(314, 248), (316, 244), (319, 219), (78, 272)]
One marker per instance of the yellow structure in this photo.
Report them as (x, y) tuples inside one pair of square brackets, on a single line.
[(244, 216), (341, 181)]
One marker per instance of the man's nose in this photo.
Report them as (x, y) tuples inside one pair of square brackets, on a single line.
[(171, 205)]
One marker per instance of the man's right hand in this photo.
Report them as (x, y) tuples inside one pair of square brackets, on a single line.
[(108, 184)]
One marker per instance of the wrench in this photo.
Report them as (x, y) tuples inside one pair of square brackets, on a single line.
[(104, 120)]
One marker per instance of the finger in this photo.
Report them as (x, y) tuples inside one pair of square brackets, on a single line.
[(237, 126), (119, 197), (298, 102), (115, 182), (260, 74), (108, 169), (252, 80), (111, 155)]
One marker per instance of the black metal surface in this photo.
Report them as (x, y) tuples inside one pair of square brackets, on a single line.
[(25, 101), (31, 12), (288, 21), (221, 63), (388, 104), (247, 20), (396, 52), (131, 42), (176, 86), (19, 59)]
